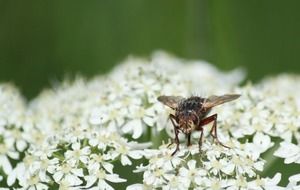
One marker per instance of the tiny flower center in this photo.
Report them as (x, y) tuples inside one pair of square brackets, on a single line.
[(292, 128), (16, 134), (192, 173), (33, 180), (101, 174), (77, 154), (123, 150), (249, 162), (126, 101), (64, 185), (259, 182), (66, 168), (174, 182), (3, 149), (237, 161), (38, 138), (28, 160), (113, 114), (258, 127), (216, 164), (98, 158), (44, 163), (158, 172), (215, 185), (140, 113), (241, 182)]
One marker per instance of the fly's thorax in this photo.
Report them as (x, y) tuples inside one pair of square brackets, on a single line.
[(193, 103)]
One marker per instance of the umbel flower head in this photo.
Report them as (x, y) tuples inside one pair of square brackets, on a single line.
[(88, 134)]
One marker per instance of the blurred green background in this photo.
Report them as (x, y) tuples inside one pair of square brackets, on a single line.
[(42, 41)]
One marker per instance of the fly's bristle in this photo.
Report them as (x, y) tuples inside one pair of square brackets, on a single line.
[(200, 93)]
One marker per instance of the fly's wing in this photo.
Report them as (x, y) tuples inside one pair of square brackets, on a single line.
[(213, 101), (171, 101)]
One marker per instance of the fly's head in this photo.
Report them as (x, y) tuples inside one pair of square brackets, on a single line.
[(187, 120)]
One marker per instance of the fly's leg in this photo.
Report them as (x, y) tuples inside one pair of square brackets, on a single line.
[(213, 131), (173, 119), (188, 136), (200, 139)]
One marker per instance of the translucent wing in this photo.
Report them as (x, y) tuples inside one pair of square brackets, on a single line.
[(213, 101), (171, 101)]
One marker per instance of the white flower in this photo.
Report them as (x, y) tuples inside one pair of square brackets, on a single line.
[(99, 176), (176, 182), (260, 144), (125, 152), (294, 182), (65, 185), (138, 186), (4, 162), (12, 106), (139, 118), (215, 166), (232, 166), (17, 173), (72, 134), (214, 183), (67, 172), (99, 159), (101, 139), (290, 152), (192, 173), (78, 154), (33, 182), (44, 165), (266, 183)]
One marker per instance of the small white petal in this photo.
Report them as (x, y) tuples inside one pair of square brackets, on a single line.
[(135, 126), (125, 160), (108, 167), (114, 178), (11, 178), (14, 155), (136, 154), (183, 171), (78, 172), (4, 162), (21, 145), (57, 176), (93, 142), (135, 187), (149, 121), (72, 180), (76, 146), (102, 185), (295, 178), (275, 180), (228, 169), (90, 180), (192, 164), (86, 150)]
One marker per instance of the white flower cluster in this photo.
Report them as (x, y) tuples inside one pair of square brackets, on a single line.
[(260, 118), (74, 163), (12, 139), (214, 167), (125, 100), (267, 110), (70, 136)]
